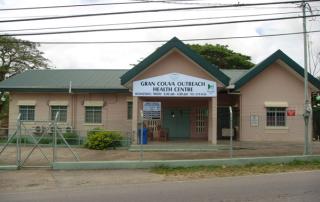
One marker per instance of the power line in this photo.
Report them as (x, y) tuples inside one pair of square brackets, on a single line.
[(260, 7), (78, 5), (156, 27), (156, 10), (192, 3), (145, 22), (162, 41)]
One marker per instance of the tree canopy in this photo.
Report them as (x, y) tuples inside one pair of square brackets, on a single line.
[(18, 55), (222, 56)]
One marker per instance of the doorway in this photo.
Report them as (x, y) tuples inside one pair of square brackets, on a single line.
[(177, 122), (223, 123)]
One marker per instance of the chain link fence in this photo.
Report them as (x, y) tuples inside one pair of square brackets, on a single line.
[(42, 143)]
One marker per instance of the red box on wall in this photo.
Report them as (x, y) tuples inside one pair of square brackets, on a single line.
[(291, 112)]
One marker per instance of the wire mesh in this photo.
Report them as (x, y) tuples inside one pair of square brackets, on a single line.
[(155, 148)]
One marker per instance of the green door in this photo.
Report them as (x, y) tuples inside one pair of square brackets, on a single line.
[(177, 122)]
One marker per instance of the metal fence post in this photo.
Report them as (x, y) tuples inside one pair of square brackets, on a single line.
[(54, 152), (231, 132), (18, 142), (79, 141)]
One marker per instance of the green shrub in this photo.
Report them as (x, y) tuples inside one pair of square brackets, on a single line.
[(99, 139), (29, 140), (70, 137), (45, 140)]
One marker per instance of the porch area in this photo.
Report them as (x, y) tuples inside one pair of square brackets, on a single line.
[(178, 120), (187, 120)]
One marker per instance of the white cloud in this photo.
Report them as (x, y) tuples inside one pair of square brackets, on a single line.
[(120, 56)]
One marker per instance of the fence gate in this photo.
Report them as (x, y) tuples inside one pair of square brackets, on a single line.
[(36, 146)]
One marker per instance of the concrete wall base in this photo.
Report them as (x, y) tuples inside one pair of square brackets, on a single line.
[(9, 167), (84, 165)]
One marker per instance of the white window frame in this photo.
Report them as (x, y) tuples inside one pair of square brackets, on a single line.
[(129, 110), (61, 115), (276, 113), (27, 117), (94, 110)]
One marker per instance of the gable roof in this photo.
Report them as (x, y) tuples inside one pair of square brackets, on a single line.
[(58, 80), (175, 43), (278, 55)]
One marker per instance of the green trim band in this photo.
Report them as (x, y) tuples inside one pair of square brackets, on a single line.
[(64, 90)]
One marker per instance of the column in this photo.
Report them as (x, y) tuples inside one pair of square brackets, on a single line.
[(135, 117), (212, 119)]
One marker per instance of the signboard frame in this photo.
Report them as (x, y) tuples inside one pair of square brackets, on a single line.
[(174, 85), (254, 120), (151, 110)]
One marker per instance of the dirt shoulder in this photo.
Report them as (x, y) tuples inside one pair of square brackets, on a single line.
[(27, 180), (41, 179)]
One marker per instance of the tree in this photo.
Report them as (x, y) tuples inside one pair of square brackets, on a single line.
[(222, 56), (315, 64), (18, 55)]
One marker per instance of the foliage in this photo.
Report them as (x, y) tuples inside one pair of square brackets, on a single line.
[(4, 106), (99, 139), (314, 66), (18, 55), (222, 56), (315, 102), (25, 139), (70, 137)]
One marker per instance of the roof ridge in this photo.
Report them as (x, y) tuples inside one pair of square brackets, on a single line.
[(175, 43)]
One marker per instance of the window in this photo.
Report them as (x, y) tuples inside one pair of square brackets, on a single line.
[(201, 120), (129, 111), (276, 116), (93, 115), (63, 111), (27, 113)]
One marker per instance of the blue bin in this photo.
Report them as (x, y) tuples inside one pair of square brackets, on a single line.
[(144, 136)]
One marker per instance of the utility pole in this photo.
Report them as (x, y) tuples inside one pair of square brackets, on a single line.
[(307, 107)]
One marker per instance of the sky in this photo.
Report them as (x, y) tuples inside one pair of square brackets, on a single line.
[(122, 56)]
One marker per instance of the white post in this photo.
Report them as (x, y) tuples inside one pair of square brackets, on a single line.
[(141, 135), (231, 132)]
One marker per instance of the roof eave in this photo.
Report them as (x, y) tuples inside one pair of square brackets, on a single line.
[(63, 90), (278, 55)]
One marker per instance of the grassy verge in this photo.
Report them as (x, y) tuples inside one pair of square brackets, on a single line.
[(223, 171)]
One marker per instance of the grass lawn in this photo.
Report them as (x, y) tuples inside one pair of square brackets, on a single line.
[(224, 171)]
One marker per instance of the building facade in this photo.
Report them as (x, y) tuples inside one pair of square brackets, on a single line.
[(179, 94)]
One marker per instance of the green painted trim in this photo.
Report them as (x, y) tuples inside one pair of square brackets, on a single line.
[(175, 43), (9, 167), (63, 90), (278, 55), (85, 165)]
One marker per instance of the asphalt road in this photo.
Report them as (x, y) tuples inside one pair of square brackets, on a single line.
[(295, 186)]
